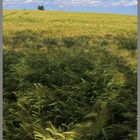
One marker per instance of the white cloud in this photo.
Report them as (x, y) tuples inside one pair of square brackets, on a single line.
[(19, 2), (71, 3), (102, 3), (77, 2), (124, 3)]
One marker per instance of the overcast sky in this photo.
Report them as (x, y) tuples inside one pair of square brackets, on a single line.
[(103, 6)]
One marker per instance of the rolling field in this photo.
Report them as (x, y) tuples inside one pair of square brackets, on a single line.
[(69, 76)]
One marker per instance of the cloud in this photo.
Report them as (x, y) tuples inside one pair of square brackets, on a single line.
[(77, 2), (125, 3), (22, 2), (72, 3), (101, 3)]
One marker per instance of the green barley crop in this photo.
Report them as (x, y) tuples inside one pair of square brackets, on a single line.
[(69, 76)]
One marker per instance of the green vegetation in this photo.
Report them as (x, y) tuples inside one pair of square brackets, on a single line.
[(40, 7), (69, 76)]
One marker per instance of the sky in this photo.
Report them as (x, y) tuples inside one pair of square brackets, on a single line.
[(101, 6)]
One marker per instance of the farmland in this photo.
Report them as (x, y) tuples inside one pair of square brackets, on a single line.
[(69, 76)]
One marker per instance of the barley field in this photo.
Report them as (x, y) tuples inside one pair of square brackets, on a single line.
[(69, 76)]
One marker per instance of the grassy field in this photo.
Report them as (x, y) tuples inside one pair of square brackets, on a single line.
[(69, 76)]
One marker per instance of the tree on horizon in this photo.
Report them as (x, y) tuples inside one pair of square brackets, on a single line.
[(41, 7)]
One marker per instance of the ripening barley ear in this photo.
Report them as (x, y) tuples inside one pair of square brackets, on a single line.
[(51, 133)]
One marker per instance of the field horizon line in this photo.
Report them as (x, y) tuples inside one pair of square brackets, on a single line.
[(86, 12)]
